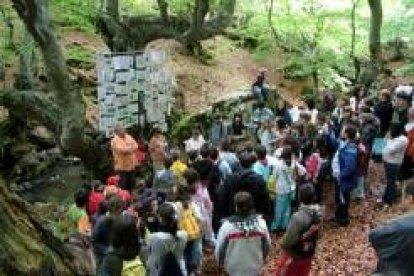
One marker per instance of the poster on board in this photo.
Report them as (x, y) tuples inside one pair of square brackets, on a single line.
[(134, 88)]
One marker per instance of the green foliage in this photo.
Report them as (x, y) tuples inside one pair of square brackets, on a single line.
[(406, 71), (81, 57), (80, 14)]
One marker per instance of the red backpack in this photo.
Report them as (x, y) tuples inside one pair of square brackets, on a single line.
[(95, 198), (312, 165)]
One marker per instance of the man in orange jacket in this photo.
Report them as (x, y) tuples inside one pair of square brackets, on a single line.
[(123, 150)]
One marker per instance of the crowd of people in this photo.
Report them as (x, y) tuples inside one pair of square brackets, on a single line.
[(225, 198)]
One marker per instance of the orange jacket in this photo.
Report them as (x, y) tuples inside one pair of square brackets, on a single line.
[(123, 151)]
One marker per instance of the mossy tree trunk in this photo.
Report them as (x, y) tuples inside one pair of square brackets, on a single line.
[(26, 247), (375, 30), (74, 135)]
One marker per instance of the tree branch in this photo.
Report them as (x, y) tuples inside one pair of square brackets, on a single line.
[(163, 6)]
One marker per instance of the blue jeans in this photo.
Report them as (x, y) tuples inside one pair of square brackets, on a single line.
[(193, 255), (282, 212), (359, 191), (391, 174)]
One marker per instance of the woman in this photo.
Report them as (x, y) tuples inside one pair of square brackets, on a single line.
[(157, 147), (166, 244), (393, 155), (384, 110)]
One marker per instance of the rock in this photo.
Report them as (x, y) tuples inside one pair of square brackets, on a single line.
[(30, 159), (14, 187), (27, 185), (42, 137)]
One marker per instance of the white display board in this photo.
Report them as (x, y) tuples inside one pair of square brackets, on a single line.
[(133, 89)]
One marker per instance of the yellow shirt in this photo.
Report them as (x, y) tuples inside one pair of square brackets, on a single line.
[(178, 168), (123, 151)]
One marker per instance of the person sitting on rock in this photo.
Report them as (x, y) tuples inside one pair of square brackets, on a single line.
[(259, 89)]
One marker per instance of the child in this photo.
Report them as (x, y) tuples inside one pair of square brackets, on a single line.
[(262, 166), (78, 220), (243, 240), (284, 172), (113, 189), (190, 220), (266, 135), (299, 241), (201, 197), (178, 167), (165, 180), (166, 247), (313, 167), (96, 196)]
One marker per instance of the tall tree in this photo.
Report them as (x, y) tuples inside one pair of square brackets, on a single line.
[(136, 31), (375, 30), (73, 133), (26, 246)]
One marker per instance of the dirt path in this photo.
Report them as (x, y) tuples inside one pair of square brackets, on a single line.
[(341, 251)]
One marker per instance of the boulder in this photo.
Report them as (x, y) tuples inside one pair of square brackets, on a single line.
[(42, 137)]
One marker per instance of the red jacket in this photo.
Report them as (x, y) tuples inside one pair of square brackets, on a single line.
[(95, 198)]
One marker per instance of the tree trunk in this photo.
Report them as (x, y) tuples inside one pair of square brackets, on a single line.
[(270, 21), (136, 32), (353, 27), (26, 247), (73, 132), (112, 8), (375, 30), (9, 23), (26, 57), (163, 6)]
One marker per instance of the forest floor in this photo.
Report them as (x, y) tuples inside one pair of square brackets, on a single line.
[(341, 251)]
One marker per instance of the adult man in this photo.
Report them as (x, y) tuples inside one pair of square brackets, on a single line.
[(196, 140), (123, 150), (394, 241), (400, 116)]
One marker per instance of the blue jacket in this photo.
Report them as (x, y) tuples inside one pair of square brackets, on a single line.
[(348, 162)]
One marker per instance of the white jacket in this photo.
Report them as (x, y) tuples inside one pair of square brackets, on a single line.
[(394, 150)]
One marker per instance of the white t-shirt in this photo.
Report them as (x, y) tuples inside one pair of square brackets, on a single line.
[(394, 150), (194, 144)]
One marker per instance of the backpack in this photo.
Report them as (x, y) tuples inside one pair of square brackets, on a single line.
[(95, 198), (189, 224), (362, 159), (164, 180), (306, 245), (170, 265), (312, 165), (134, 268)]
